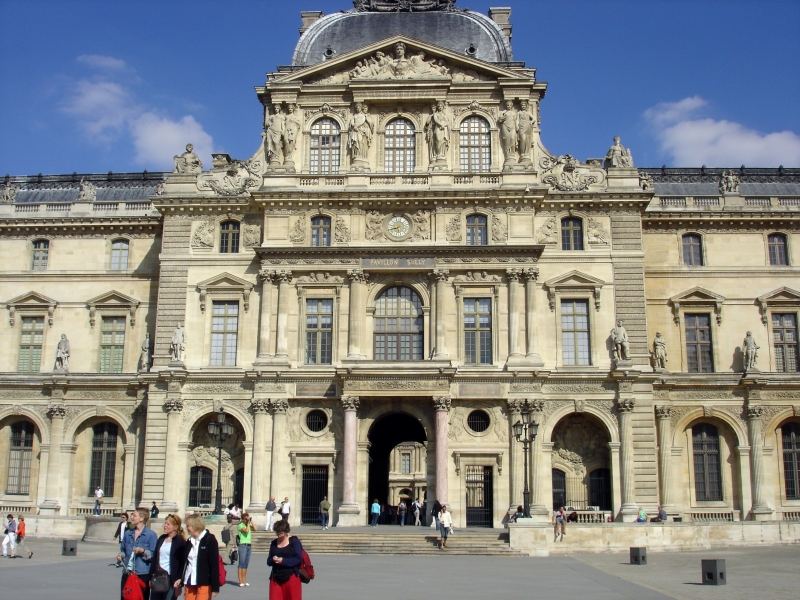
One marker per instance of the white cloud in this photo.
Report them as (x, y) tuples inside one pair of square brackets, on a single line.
[(101, 61), (690, 139), (101, 107), (156, 139)]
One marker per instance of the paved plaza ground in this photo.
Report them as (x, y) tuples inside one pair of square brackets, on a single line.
[(765, 573)]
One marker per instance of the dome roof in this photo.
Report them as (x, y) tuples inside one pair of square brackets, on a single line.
[(455, 30)]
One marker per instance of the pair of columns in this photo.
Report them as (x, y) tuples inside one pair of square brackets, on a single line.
[(283, 280), (521, 309)]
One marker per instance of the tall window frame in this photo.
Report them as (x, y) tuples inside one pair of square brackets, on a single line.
[(785, 343), (400, 146), (200, 482), (20, 457), (475, 145), (319, 331), (229, 233), (576, 344), (478, 343), (692, 250), (790, 443), (325, 144), (112, 344), (778, 249), (31, 341), (572, 233), (477, 230), (103, 467), (40, 256), (707, 463), (398, 325), (120, 252), (224, 333), (699, 342), (321, 231)]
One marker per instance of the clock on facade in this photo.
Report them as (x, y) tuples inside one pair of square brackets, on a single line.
[(398, 227)]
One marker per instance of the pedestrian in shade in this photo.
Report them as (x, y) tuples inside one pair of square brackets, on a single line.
[(324, 512), (375, 512), (270, 510)]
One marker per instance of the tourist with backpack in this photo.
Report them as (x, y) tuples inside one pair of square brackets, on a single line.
[(286, 557), (202, 575)]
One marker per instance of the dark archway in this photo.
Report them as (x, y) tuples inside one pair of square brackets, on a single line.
[(386, 432)]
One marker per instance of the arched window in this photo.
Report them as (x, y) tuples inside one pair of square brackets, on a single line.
[(791, 459), (229, 237), (41, 252), (325, 145), (559, 489), (19, 458), (777, 249), (476, 230), (398, 325), (400, 147), (692, 249), (571, 233), (104, 458), (320, 231), (475, 145), (119, 255), (705, 448), (199, 486)]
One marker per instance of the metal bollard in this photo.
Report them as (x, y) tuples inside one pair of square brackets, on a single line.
[(638, 555), (713, 571), (69, 547)]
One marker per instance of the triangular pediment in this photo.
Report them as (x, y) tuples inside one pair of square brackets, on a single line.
[(782, 294), (382, 62), (225, 281), (574, 279), (113, 298), (697, 294), (31, 299)]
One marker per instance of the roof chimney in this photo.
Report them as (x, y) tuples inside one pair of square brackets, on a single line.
[(308, 18), (502, 16)]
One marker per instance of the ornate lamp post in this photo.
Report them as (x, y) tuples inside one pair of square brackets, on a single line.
[(525, 432), (219, 431)]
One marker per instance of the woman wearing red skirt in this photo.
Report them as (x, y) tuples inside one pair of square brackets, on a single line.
[(284, 557)]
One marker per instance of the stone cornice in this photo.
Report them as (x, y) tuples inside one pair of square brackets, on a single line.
[(528, 253)]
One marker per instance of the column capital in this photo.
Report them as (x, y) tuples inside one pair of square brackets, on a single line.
[(625, 405), (754, 412), (281, 276), (530, 274), (663, 412), (440, 275), (514, 406), (278, 405), (259, 406), (350, 402), (357, 276), (514, 275), (173, 405), (264, 275), (56, 411), (441, 403)]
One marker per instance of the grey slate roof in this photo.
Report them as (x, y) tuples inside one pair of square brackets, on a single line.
[(347, 31), (112, 187), (705, 182)]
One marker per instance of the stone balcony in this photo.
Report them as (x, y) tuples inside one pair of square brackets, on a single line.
[(80, 210)]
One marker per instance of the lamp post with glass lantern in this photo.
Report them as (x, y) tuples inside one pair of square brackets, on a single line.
[(525, 432), (219, 431)]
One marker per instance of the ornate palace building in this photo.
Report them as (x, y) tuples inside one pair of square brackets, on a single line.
[(400, 273)]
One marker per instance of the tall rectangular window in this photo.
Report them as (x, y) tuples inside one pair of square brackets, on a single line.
[(692, 250), (319, 331), (41, 253), (699, 353), (19, 458), (405, 463), (705, 448), (119, 255), (575, 332), (112, 344), (30, 345), (104, 458), (478, 331), (224, 333), (784, 340)]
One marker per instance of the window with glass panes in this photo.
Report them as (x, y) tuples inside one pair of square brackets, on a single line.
[(475, 145), (705, 450), (320, 231), (692, 250), (30, 345), (325, 147), (785, 342), (41, 252), (575, 332), (699, 352), (104, 458), (777, 249), (478, 331), (571, 233), (229, 237), (19, 458), (477, 230), (112, 344), (200, 486), (790, 432), (224, 333), (399, 147), (119, 255), (405, 463), (398, 325), (319, 331)]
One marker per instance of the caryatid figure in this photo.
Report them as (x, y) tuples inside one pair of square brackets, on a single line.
[(525, 123), (274, 125), (507, 120), (291, 133)]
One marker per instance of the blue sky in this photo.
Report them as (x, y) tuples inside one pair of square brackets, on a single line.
[(93, 86)]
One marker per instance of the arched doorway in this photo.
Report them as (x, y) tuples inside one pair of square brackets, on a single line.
[(203, 465), (396, 445)]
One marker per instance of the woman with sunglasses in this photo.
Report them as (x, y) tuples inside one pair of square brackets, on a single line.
[(169, 561)]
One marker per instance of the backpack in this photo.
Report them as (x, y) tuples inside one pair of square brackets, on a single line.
[(306, 570), (223, 574)]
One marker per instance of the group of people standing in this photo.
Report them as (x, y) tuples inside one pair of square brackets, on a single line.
[(14, 537)]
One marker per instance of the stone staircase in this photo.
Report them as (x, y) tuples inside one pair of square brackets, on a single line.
[(394, 540)]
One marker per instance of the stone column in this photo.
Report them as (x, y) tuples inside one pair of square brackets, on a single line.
[(761, 510), (663, 416), (128, 500), (258, 474), (629, 508), (440, 352), (517, 483), (265, 317), (358, 286), (278, 408), (170, 493), (55, 470), (349, 509), (531, 355), (441, 407), (282, 345), (539, 503), (516, 314)]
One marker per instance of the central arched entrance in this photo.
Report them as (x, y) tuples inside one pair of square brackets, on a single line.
[(397, 462)]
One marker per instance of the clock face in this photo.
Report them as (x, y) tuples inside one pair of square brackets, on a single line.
[(398, 227)]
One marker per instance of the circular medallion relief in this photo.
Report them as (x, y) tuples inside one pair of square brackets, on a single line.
[(316, 420), (478, 421), (398, 227)]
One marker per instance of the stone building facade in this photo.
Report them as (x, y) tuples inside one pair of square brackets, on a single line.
[(399, 272)]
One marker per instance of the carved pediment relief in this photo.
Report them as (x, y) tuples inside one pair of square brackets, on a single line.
[(225, 283), (566, 174), (31, 301), (110, 301), (697, 297), (573, 282), (234, 178), (781, 297)]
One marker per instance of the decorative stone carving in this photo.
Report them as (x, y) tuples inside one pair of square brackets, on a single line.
[(750, 352), (548, 232), (251, 235), (292, 126), (437, 135), (441, 403), (203, 236), (144, 356), (350, 402), (403, 5), (177, 345), (499, 230), (618, 156), (259, 406), (374, 225), (597, 233), (645, 181), (478, 277), (173, 405), (56, 411), (341, 232), (755, 412), (9, 194), (659, 355), (239, 177), (321, 278), (453, 229), (663, 412), (566, 174), (361, 130), (357, 276), (525, 124), (274, 128), (422, 225), (61, 364), (298, 231), (626, 404), (278, 405), (507, 122), (87, 191), (621, 344), (188, 163), (729, 183)]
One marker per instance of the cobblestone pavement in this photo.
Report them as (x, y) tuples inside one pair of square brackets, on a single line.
[(764, 572)]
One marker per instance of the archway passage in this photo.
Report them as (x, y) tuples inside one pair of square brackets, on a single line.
[(386, 433)]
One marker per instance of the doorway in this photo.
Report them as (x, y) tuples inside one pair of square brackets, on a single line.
[(479, 484), (314, 489), (559, 489)]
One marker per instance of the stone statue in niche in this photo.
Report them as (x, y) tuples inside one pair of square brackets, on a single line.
[(645, 181), (659, 351), (750, 351), (144, 357), (62, 355), (525, 124), (729, 183), (437, 134), (188, 163), (507, 120), (177, 345), (361, 129), (88, 191), (619, 338), (275, 123), (618, 156), (291, 133), (9, 194)]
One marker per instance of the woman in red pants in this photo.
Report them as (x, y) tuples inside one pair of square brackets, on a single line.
[(284, 557)]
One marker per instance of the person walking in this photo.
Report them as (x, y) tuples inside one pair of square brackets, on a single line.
[(416, 508), (10, 539), (201, 574), (286, 509), (22, 537), (560, 523), (98, 500), (401, 511), (375, 512), (154, 511), (245, 541), (137, 547), (270, 510), (445, 523), (169, 561), (435, 510), (285, 556), (324, 512)]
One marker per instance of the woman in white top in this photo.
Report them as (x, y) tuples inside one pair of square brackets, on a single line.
[(445, 523), (169, 560)]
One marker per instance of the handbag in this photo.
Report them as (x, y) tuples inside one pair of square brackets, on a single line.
[(134, 586), (160, 581)]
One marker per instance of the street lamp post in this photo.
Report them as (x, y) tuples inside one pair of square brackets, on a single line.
[(525, 432), (219, 431)]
